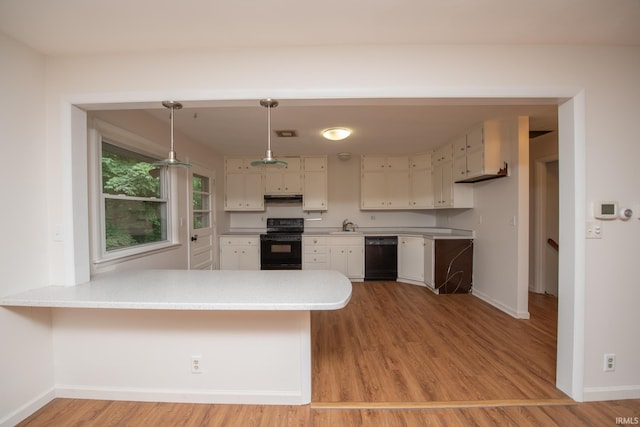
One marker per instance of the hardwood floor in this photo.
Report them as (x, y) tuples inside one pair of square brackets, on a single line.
[(397, 355), (401, 343)]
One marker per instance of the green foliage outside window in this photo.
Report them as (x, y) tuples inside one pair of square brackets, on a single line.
[(131, 186)]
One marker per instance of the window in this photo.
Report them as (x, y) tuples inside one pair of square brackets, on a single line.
[(134, 202), (201, 201)]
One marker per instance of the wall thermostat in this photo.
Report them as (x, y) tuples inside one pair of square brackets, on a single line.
[(606, 210)]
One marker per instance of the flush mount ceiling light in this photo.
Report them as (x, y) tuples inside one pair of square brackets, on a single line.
[(336, 134), (268, 159), (172, 160)]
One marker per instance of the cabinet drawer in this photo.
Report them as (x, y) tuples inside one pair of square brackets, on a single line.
[(310, 250), (316, 258), (239, 241), (347, 241), (314, 241)]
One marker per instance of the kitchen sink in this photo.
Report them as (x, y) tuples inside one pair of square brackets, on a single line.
[(345, 232)]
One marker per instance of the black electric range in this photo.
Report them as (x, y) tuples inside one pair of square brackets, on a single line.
[(281, 246)]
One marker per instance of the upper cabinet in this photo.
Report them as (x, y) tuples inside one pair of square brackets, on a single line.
[(481, 154), (243, 186), (314, 183), (420, 181), (446, 193), (282, 181), (384, 182)]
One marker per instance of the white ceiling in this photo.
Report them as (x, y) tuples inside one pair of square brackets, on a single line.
[(71, 27), (77, 27), (379, 126)]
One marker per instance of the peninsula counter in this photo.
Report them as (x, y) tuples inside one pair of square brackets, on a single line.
[(132, 335)]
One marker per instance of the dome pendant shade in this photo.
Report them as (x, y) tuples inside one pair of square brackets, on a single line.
[(172, 160), (268, 159)]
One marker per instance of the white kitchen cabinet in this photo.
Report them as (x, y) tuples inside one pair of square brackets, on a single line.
[(384, 182), (315, 183), (421, 181), (447, 194), (286, 180), (342, 253), (243, 186), (411, 259), (480, 152), (239, 253), (346, 255), (315, 253)]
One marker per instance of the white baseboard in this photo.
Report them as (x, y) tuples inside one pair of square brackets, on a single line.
[(500, 306), (183, 396), (592, 394), (27, 409)]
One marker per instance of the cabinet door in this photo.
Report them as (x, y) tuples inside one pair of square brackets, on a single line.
[(355, 262), (421, 189), (447, 184), (396, 185), (398, 163), (273, 182), (475, 138), (338, 259), (374, 163), (291, 182), (373, 190), (234, 191), (315, 191), (235, 164), (315, 164), (411, 258), (253, 193), (249, 258), (459, 146), (229, 257), (475, 163), (459, 168), (429, 259)]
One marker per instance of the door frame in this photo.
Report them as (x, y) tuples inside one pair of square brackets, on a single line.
[(540, 222)]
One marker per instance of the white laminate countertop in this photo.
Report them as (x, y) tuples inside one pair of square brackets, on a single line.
[(432, 233), (197, 290)]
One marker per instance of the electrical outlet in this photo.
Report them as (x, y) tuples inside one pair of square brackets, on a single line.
[(609, 362), (196, 364)]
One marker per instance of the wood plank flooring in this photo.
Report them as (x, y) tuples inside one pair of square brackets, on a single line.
[(399, 342), (397, 355)]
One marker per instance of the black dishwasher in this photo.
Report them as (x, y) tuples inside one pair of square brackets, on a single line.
[(380, 257)]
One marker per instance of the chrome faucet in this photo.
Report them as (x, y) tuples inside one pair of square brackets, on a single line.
[(348, 225)]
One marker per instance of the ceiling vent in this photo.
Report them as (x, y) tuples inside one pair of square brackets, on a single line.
[(286, 133)]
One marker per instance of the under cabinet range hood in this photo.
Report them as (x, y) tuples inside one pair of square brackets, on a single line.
[(282, 198)]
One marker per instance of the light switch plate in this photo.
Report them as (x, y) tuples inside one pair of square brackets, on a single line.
[(594, 229)]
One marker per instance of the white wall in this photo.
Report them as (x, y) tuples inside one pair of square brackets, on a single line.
[(598, 291), (256, 357), (26, 358), (344, 203)]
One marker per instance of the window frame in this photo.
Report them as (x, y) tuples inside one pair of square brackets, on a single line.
[(102, 131)]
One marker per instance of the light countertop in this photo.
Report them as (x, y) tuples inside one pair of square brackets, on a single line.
[(197, 290), (432, 233)]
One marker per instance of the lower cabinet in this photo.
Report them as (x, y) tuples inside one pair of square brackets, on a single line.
[(344, 254), (411, 259), (239, 253), (448, 265)]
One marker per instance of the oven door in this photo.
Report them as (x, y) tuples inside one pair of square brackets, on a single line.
[(280, 252)]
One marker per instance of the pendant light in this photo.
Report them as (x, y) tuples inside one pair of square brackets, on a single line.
[(172, 160), (268, 159)]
